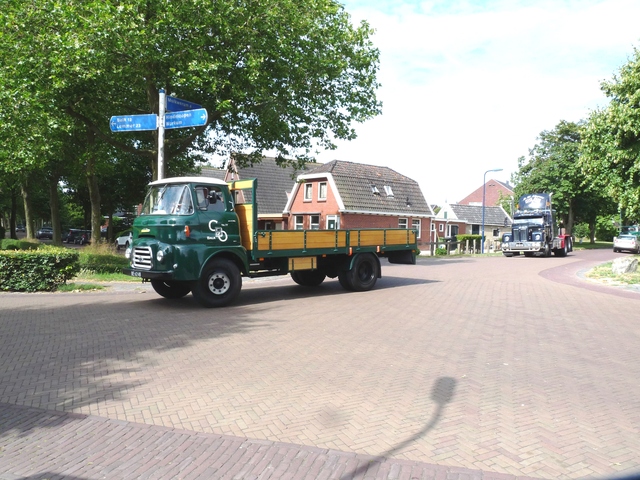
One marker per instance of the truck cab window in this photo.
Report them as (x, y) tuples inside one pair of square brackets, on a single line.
[(210, 199), (168, 200)]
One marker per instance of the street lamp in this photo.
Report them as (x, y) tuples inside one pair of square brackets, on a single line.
[(484, 188)]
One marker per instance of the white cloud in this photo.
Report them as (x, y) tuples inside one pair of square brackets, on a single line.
[(468, 86)]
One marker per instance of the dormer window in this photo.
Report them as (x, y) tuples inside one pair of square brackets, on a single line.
[(388, 191), (375, 190)]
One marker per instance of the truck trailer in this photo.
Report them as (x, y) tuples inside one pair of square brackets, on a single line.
[(533, 231), (199, 235)]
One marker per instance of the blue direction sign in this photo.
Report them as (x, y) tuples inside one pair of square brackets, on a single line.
[(177, 105), (186, 118), (134, 123)]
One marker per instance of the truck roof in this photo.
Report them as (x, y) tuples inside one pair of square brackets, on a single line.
[(203, 180)]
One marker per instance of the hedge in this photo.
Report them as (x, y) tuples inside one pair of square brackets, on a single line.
[(37, 270), (12, 244), (102, 263)]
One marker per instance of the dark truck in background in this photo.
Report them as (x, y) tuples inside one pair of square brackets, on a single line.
[(533, 230)]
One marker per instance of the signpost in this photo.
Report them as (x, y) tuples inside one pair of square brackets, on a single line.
[(186, 118), (177, 105), (182, 114), (133, 123)]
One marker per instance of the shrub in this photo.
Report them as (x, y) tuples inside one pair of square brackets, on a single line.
[(102, 262), (11, 244), (36, 270), (441, 250)]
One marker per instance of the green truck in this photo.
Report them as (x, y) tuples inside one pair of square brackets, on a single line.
[(199, 235)]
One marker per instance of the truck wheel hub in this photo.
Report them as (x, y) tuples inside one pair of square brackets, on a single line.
[(218, 283)]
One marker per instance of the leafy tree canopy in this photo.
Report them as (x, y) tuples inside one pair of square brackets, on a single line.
[(554, 167), (611, 143), (278, 75)]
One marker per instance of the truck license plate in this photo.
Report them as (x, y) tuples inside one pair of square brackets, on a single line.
[(136, 274)]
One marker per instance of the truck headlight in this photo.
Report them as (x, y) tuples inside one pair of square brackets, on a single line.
[(160, 256), (127, 253)]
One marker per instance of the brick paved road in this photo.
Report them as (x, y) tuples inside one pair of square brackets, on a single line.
[(441, 372)]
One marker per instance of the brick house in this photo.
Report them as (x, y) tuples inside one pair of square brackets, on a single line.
[(467, 219), (494, 190), (345, 195)]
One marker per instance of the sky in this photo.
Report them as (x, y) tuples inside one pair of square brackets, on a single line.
[(467, 86)]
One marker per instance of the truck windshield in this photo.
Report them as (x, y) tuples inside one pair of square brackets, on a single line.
[(528, 221), (168, 200)]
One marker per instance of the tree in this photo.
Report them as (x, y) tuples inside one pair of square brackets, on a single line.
[(277, 75), (611, 144), (554, 167)]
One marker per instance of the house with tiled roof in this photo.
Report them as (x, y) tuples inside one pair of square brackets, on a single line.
[(346, 195), (274, 186), (456, 219), (494, 190)]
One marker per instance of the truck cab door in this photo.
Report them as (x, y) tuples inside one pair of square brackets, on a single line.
[(218, 222)]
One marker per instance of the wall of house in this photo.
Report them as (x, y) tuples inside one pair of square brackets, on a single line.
[(492, 192), (300, 206), (323, 208)]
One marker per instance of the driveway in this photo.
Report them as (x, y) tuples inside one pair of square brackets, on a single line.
[(455, 368)]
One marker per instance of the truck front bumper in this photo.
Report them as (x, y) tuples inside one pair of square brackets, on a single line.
[(148, 275), (522, 246)]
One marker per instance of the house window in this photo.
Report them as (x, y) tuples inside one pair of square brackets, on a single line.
[(315, 222), (403, 223), (375, 190), (322, 191), (475, 229), (441, 227), (333, 222), (388, 191), (433, 227), (415, 224), (298, 223), (308, 192)]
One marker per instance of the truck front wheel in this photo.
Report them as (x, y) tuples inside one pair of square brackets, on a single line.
[(363, 275), (219, 284), (171, 290), (308, 278)]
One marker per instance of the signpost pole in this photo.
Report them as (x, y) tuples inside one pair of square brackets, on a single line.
[(161, 112)]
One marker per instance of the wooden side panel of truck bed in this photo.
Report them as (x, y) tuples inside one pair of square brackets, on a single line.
[(291, 243)]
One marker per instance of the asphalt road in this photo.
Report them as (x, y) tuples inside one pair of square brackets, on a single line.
[(456, 368)]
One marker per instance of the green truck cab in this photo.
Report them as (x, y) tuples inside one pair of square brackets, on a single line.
[(198, 235)]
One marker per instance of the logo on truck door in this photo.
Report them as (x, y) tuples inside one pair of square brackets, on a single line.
[(218, 232)]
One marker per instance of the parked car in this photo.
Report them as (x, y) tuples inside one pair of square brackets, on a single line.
[(124, 240), (20, 228), (75, 235), (626, 242), (44, 232)]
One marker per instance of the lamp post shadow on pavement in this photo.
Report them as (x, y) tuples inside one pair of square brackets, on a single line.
[(442, 393)]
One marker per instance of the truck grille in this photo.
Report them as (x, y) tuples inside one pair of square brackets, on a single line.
[(520, 234), (141, 258)]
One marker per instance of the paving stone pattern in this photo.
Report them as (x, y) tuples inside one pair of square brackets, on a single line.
[(470, 368)]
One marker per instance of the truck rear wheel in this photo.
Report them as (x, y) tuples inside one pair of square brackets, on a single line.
[(219, 285), (363, 275), (171, 290), (308, 278)]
